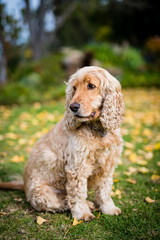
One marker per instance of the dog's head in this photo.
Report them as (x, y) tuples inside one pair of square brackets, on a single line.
[(93, 93)]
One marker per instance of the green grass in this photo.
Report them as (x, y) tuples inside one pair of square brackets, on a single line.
[(21, 126)]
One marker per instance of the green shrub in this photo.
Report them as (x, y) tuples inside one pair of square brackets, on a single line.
[(14, 93), (32, 80), (132, 58), (49, 71), (23, 70), (18, 93), (129, 60), (55, 92), (145, 79), (125, 57), (104, 53)]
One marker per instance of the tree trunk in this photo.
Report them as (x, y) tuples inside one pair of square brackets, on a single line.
[(3, 66), (36, 28), (38, 39)]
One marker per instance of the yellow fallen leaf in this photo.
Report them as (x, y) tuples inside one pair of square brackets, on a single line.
[(129, 145), (99, 214), (18, 199), (157, 146), (149, 200), (29, 149), (134, 209), (35, 122), (32, 141), (142, 162), (131, 181), (148, 148), (11, 135), (3, 154), (133, 158), (143, 170), (37, 105), (116, 180), (25, 116), (17, 158), (124, 131), (38, 134), (136, 132), (148, 155), (147, 132), (75, 222), (130, 171), (155, 177), (127, 152), (41, 220), (141, 152), (10, 143), (118, 193), (1, 137), (22, 141), (139, 139), (158, 164), (2, 213)]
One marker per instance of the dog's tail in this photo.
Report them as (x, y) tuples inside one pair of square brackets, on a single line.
[(12, 185)]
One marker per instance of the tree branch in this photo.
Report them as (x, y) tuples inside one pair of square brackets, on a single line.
[(60, 21)]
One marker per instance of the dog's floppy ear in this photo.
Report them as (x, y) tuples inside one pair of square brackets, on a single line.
[(70, 121), (113, 104)]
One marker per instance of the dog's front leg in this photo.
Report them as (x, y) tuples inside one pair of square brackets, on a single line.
[(103, 198), (76, 187)]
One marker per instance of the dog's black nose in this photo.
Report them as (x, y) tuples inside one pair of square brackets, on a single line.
[(74, 107)]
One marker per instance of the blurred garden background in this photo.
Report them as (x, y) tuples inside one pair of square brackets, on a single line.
[(42, 42)]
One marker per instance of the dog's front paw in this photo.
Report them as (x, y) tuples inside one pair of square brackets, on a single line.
[(110, 210), (88, 217), (82, 212), (91, 206)]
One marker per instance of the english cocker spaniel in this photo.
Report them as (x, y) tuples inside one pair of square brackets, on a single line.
[(81, 151)]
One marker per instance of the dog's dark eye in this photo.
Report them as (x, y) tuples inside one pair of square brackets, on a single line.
[(91, 86), (74, 88)]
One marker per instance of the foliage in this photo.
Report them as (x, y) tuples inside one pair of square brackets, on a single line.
[(128, 60), (117, 21), (116, 55), (48, 68), (33, 78), (19, 93), (136, 180), (140, 79), (16, 93), (132, 58), (104, 53)]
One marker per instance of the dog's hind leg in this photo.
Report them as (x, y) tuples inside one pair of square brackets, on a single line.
[(47, 198)]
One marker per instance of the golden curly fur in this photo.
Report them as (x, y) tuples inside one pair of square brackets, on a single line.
[(81, 151)]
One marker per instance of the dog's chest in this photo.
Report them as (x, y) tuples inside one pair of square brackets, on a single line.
[(98, 157)]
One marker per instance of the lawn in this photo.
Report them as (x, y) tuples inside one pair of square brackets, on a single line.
[(136, 187)]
